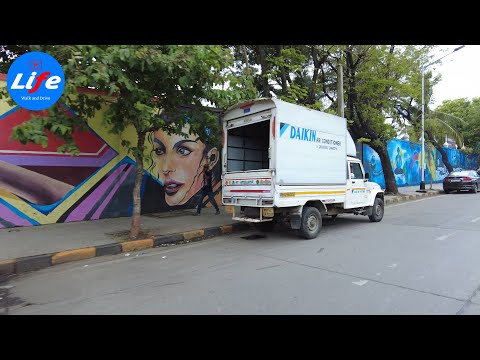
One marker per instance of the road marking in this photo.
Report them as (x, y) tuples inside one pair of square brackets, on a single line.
[(360, 282), (443, 237), (393, 266), (475, 220), (267, 267)]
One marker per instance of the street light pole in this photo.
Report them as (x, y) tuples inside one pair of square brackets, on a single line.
[(422, 182)]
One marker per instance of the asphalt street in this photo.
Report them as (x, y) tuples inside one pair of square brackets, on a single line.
[(422, 258)]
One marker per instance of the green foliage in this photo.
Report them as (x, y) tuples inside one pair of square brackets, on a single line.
[(469, 112), (142, 81), (364, 140), (441, 124), (380, 77), (8, 54)]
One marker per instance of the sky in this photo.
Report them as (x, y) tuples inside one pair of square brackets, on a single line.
[(460, 74)]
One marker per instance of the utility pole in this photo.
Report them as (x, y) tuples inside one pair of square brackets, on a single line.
[(422, 182), (340, 107)]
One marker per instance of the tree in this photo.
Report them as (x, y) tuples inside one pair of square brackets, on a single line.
[(469, 112), (436, 125), (377, 78), (8, 54), (141, 83), (289, 72)]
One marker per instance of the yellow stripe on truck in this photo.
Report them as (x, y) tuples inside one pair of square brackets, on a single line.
[(292, 194), (320, 192)]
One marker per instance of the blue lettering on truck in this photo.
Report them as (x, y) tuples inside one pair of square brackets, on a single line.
[(304, 134)]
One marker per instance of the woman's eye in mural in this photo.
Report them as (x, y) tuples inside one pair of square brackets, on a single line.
[(184, 151), (159, 151)]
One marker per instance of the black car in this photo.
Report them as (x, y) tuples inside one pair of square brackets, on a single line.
[(462, 180)]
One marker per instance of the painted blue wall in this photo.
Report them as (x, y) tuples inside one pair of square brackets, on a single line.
[(405, 158)]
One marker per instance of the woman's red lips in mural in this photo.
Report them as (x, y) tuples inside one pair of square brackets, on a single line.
[(172, 186)]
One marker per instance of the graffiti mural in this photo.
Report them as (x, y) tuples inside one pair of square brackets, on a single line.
[(372, 165), (41, 186), (405, 158), (176, 163)]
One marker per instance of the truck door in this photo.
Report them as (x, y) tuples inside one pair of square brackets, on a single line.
[(356, 195)]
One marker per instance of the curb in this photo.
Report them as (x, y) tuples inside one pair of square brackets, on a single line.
[(403, 198), (38, 262)]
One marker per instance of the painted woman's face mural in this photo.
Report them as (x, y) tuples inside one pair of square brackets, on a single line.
[(179, 162)]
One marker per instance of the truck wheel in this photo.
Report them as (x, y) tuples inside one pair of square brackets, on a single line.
[(377, 213), (311, 222)]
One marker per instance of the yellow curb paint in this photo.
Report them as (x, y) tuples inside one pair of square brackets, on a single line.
[(72, 255), (226, 229), (135, 245), (7, 267), (189, 235)]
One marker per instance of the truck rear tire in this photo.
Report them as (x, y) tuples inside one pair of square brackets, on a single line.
[(311, 222), (377, 211)]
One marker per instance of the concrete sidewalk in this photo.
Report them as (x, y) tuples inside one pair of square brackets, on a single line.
[(24, 249)]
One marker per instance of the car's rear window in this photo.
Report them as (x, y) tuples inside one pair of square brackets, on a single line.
[(461, 173)]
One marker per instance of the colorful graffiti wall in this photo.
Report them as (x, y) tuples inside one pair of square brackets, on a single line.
[(405, 158), (41, 186)]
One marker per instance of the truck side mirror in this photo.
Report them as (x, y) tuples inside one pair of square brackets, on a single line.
[(367, 176)]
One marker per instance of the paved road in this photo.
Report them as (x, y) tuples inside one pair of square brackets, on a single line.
[(423, 258)]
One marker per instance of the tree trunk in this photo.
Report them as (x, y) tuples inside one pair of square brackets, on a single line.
[(441, 150), (245, 58), (137, 200), (316, 67), (390, 183), (282, 72), (264, 66)]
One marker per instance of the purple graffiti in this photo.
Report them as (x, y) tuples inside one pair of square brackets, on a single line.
[(87, 205), (60, 160), (99, 211), (11, 217)]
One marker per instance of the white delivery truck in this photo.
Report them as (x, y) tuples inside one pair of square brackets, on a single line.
[(285, 162)]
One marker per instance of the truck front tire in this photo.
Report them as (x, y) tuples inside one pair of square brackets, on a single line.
[(311, 222), (377, 211)]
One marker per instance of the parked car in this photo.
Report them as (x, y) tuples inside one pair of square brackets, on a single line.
[(462, 180)]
